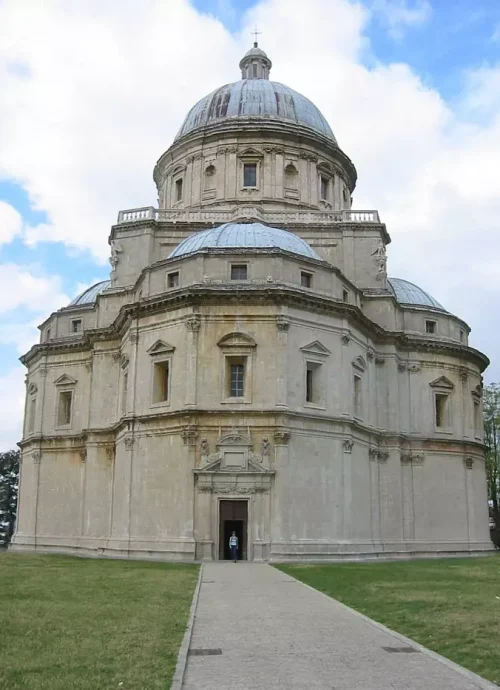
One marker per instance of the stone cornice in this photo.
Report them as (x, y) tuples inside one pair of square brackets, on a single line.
[(282, 295)]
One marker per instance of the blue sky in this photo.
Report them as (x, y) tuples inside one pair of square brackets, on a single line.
[(411, 88)]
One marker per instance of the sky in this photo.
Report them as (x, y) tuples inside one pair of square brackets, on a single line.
[(92, 92)]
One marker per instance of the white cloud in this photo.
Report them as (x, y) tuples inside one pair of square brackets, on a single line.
[(93, 96), (401, 14), (11, 407), (11, 223)]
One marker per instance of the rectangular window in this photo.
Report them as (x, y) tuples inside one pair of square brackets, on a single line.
[(64, 408), (313, 383), (76, 325), (305, 279), (345, 296), (358, 411), (324, 187), (430, 326), (441, 404), (47, 334), (250, 174), (173, 279), (462, 336), (124, 392), (178, 190), (236, 379), (32, 413), (161, 382), (239, 272), (477, 419)]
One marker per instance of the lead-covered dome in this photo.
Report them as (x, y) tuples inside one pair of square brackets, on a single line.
[(409, 293), (244, 236), (89, 295), (255, 97)]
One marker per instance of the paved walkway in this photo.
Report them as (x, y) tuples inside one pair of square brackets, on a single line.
[(276, 633)]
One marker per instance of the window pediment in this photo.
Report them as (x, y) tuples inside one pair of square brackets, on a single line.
[(251, 153), (65, 380), (359, 363), (160, 347), (316, 348), (236, 339), (443, 383)]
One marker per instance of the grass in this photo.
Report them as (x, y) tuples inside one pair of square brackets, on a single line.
[(82, 624), (451, 606)]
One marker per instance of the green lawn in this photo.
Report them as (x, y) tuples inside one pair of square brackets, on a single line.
[(451, 606), (83, 624)]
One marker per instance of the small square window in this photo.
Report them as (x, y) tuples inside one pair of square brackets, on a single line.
[(250, 174), (239, 272), (64, 408), (178, 190), (345, 295), (173, 279), (76, 325), (161, 382), (430, 326), (442, 410), (325, 182), (305, 279)]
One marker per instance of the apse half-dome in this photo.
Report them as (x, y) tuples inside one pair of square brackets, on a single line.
[(244, 236)]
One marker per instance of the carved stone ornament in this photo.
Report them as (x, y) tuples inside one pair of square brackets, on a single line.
[(116, 250), (83, 455), (88, 365), (129, 442), (42, 372), (32, 388), (379, 360), (469, 462), (247, 212), (110, 452), (369, 355), (204, 447), (116, 357), (406, 458), (282, 324), (37, 456), (281, 438), (373, 453), (265, 447), (134, 336), (417, 459), (383, 456), (414, 368), (189, 435), (345, 338), (193, 324), (401, 366), (464, 375), (347, 445)]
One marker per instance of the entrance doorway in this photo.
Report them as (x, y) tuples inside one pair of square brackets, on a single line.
[(233, 517)]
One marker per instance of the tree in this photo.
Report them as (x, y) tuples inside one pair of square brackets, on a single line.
[(491, 411), (9, 481)]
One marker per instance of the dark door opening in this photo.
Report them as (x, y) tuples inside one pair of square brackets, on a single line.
[(233, 518)]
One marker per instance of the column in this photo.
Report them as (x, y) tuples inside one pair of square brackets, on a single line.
[(192, 326), (283, 326)]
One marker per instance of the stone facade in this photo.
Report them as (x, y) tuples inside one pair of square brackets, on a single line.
[(357, 430)]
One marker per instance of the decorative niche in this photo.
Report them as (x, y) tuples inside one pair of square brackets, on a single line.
[(209, 182), (291, 187)]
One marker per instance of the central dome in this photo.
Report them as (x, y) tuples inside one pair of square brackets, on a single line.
[(244, 236), (255, 98)]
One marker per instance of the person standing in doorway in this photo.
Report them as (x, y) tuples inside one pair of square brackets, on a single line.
[(233, 546)]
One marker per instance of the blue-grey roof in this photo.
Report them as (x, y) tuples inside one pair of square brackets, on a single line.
[(89, 295), (244, 235), (409, 293), (255, 98)]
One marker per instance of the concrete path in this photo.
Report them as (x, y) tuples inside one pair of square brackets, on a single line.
[(274, 632)]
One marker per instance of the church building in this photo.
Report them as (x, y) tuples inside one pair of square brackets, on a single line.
[(250, 366)]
